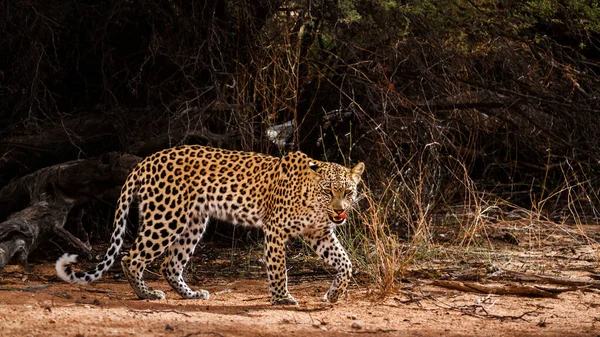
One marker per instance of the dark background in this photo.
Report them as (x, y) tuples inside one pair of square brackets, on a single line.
[(449, 103)]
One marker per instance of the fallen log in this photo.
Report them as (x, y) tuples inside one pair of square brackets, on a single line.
[(497, 289), (524, 277), (49, 195)]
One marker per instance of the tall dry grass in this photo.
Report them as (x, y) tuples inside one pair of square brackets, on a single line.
[(428, 187)]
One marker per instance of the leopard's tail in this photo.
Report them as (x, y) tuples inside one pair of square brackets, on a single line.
[(63, 265)]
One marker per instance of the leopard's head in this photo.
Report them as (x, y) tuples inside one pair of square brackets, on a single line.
[(337, 189)]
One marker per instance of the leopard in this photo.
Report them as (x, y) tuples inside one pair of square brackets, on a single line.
[(178, 190)]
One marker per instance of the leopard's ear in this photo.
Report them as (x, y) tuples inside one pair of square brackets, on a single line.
[(314, 167), (357, 171)]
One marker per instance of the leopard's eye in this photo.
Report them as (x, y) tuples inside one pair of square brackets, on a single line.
[(347, 193)]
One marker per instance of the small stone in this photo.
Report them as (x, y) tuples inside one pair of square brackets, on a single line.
[(169, 327), (316, 325), (52, 321), (323, 328), (357, 325), (352, 317)]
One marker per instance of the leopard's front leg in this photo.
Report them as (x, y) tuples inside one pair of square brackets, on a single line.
[(327, 246), (276, 267)]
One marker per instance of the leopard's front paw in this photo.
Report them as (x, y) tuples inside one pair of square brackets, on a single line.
[(284, 301)]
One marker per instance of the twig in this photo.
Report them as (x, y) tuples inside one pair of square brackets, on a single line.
[(321, 308), (413, 299), (32, 289), (374, 331), (500, 317), (473, 308), (255, 298), (203, 333), (153, 311)]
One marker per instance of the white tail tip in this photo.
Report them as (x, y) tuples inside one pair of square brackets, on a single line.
[(61, 266)]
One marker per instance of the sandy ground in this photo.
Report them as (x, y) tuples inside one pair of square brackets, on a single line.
[(38, 304)]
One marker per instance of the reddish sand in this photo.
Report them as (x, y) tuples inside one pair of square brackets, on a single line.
[(240, 307)]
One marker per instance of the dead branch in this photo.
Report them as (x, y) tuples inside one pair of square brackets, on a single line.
[(73, 240), (49, 195), (509, 289), (523, 277)]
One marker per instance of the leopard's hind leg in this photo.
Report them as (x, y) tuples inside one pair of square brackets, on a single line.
[(179, 253), (150, 244)]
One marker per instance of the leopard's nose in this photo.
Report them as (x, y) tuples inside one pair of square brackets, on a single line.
[(339, 211)]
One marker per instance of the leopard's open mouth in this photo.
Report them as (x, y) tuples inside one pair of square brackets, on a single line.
[(338, 218)]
